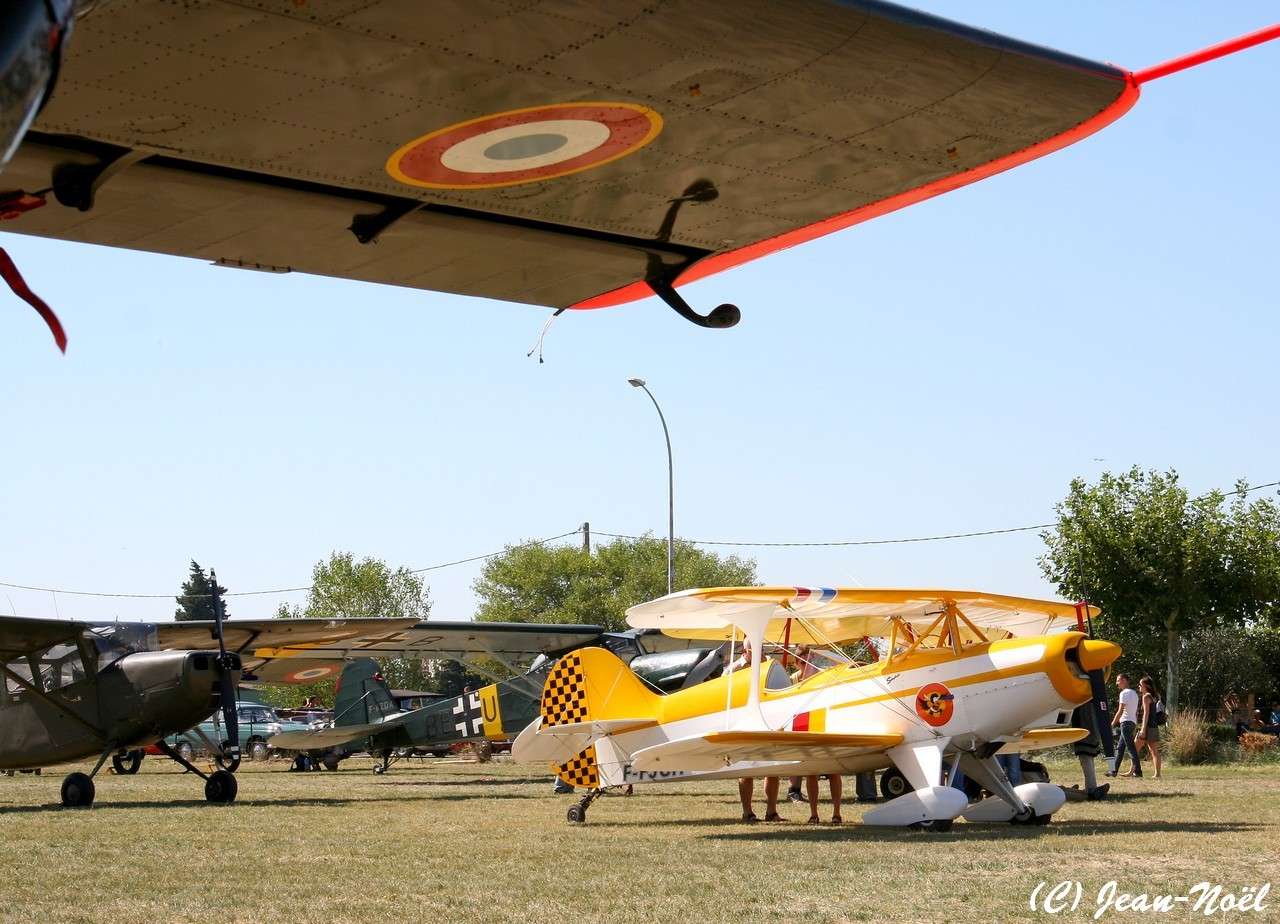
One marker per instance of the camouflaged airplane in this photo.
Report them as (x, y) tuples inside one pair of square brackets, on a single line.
[(366, 717), (567, 154), (963, 677)]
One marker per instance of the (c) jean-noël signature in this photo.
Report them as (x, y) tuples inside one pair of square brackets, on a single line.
[(1207, 898)]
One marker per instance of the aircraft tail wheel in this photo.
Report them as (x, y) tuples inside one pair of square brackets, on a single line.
[(1041, 820), (77, 791), (379, 769), (933, 825), (221, 787), (331, 762), (576, 814), (128, 763)]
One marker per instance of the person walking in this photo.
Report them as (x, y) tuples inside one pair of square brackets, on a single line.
[(1152, 719), (1127, 719)]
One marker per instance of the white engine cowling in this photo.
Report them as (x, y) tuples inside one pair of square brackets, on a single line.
[(936, 803)]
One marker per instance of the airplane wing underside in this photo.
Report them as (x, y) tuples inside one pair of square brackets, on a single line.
[(717, 750), (556, 154)]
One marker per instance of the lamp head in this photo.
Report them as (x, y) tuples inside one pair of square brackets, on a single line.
[(636, 383)]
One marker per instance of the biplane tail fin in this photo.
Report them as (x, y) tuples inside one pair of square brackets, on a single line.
[(590, 693), (362, 696)]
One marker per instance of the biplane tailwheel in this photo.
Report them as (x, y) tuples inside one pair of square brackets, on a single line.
[(77, 791), (220, 788), (933, 825), (576, 814), (378, 768), (128, 763)]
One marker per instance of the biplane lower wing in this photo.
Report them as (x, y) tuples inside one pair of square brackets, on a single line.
[(717, 750), (559, 743), (1039, 739)]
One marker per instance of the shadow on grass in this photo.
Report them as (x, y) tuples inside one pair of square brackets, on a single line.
[(1114, 796), (966, 832), (389, 780), (194, 803)]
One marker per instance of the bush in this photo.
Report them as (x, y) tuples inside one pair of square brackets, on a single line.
[(1259, 746), (1189, 740), (1222, 734)]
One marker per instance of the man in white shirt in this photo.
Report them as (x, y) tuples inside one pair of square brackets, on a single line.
[(1126, 718)]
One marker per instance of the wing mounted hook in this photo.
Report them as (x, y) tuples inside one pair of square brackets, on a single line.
[(662, 276)]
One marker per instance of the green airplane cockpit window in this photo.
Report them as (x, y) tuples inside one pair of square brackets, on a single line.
[(59, 666), (115, 641)]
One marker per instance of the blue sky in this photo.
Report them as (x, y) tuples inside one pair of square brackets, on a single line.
[(943, 369)]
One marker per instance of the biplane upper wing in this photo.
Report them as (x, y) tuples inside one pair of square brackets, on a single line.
[(307, 650), (563, 153), (717, 750), (833, 615)]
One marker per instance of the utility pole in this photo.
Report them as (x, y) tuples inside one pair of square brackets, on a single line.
[(586, 538)]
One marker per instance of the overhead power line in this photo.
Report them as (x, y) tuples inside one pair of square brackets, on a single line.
[(280, 590), (575, 532)]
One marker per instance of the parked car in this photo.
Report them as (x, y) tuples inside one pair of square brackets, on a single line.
[(257, 723)]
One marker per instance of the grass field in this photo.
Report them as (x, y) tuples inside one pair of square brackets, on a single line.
[(450, 840)]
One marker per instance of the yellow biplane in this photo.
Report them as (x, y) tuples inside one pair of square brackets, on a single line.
[(961, 677)]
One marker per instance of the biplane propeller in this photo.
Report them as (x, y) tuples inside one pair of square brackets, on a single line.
[(964, 677), (538, 153)]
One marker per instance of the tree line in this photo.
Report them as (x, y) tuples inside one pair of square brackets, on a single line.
[(1189, 586)]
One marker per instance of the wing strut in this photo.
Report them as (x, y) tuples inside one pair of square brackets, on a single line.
[(1220, 50)]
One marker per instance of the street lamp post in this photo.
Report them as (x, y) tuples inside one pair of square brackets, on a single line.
[(671, 490)]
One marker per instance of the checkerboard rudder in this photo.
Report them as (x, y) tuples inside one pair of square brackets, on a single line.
[(592, 684)]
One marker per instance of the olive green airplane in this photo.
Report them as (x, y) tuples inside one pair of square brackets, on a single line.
[(77, 690), (366, 717)]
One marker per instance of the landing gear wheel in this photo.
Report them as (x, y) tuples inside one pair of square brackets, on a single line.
[(331, 762), (301, 763), (185, 751), (1041, 820), (1027, 816), (221, 787), (933, 825), (128, 763), (258, 749), (894, 784), (379, 769), (77, 791), (576, 814)]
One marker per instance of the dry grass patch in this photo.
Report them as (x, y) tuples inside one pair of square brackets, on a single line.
[(457, 841)]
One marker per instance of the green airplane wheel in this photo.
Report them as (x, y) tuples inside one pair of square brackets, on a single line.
[(221, 787), (77, 791)]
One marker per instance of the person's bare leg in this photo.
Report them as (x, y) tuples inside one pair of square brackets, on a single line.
[(811, 789), (1156, 762), (837, 790), (745, 787), (771, 797)]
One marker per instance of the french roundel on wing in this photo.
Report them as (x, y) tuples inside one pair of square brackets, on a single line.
[(524, 145), (310, 674)]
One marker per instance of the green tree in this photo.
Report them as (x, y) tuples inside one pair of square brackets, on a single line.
[(1160, 563), (342, 587), (537, 583), (196, 599)]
